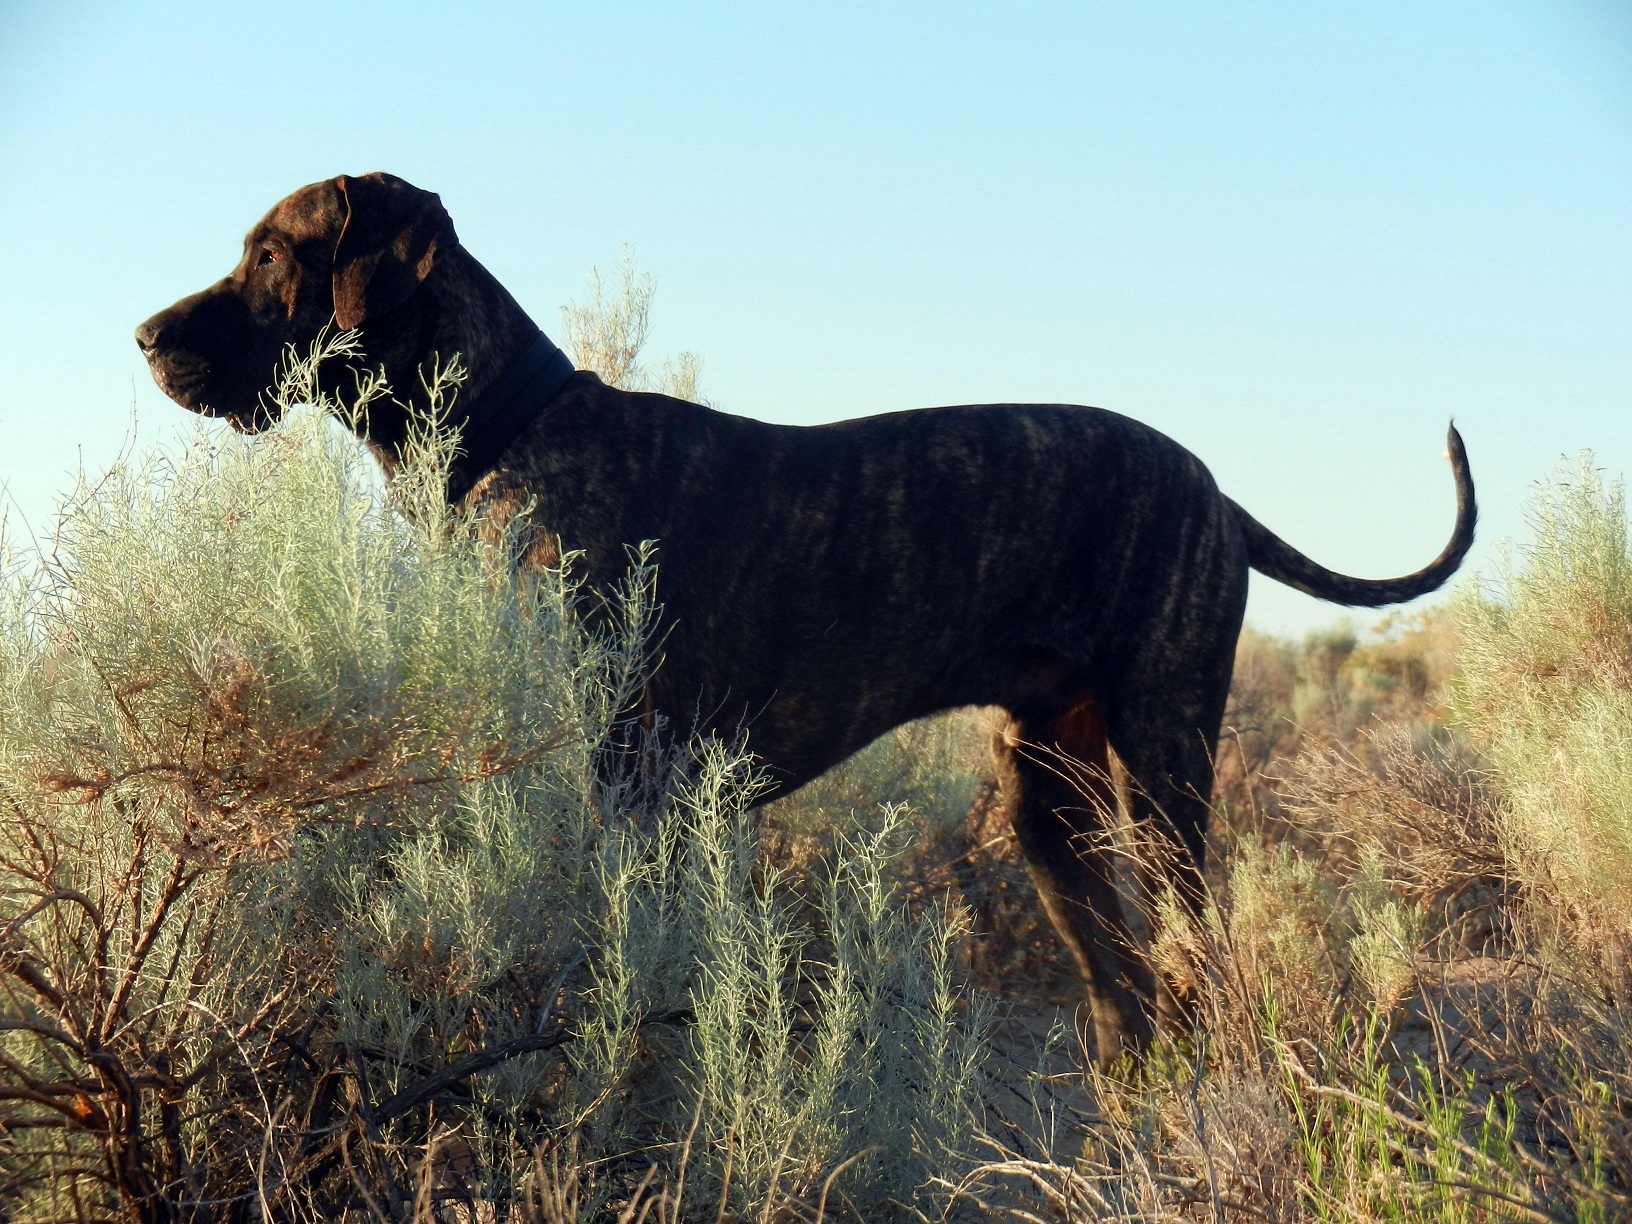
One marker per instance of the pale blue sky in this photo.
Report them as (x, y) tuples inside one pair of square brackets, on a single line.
[(1297, 237)]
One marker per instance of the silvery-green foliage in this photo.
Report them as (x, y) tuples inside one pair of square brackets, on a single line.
[(888, 1070), (809, 1043), (1546, 671), (915, 1068), (243, 634), (286, 756), (309, 804)]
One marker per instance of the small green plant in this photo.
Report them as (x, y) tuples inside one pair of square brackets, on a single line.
[(1382, 951)]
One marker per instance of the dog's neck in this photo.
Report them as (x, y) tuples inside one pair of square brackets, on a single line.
[(460, 310)]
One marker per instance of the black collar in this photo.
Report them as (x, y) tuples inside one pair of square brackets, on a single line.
[(493, 419)]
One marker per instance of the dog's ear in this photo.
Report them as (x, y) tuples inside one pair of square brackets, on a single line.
[(387, 245)]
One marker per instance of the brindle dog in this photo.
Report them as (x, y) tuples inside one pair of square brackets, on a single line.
[(823, 584)]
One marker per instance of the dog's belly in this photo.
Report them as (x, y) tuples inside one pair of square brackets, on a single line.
[(807, 706)]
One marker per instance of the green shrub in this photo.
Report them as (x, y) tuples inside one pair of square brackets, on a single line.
[(1546, 692), (319, 897)]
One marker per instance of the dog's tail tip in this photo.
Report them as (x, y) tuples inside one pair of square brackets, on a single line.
[(1270, 555)]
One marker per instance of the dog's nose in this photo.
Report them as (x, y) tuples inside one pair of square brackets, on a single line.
[(149, 334)]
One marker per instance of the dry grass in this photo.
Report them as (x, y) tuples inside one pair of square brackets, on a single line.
[(1404, 1010), (1412, 971)]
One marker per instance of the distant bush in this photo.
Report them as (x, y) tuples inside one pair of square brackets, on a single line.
[(934, 768), (607, 335), (320, 899), (1329, 688)]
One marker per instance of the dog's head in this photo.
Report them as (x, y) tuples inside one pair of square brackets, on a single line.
[(346, 250)]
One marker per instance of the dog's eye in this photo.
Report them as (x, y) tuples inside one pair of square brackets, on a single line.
[(268, 256)]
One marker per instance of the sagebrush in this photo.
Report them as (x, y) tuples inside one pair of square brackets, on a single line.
[(328, 890)]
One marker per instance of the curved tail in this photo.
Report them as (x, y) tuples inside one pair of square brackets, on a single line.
[(1273, 556)]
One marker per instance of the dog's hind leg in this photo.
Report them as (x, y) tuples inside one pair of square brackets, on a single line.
[(1054, 769), (1165, 736)]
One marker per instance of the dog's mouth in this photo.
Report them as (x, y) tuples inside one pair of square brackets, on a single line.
[(186, 380), (258, 419), (180, 378)]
